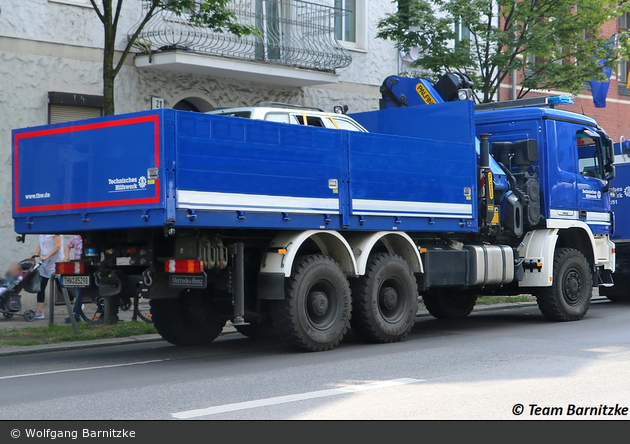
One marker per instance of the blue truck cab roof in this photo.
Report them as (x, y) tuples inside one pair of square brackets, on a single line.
[(532, 113)]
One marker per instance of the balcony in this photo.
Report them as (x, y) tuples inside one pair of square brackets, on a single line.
[(297, 45)]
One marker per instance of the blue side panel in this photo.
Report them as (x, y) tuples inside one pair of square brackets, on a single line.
[(75, 176), (233, 172), (620, 199), (429, 184), (429, 178), (452, 121), (241, 169)]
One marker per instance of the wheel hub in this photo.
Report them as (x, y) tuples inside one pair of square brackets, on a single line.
[(573, 286), (318, 302), (389, 297)]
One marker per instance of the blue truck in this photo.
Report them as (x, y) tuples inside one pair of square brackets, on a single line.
[(620, 204), (305, 232)]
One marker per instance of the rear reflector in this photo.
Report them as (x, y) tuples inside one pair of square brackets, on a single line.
[(183, 266), (70, 268)]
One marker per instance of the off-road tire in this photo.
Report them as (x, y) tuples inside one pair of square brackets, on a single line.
[(187, 320), (384, 300), (315, 314), (569, 297)]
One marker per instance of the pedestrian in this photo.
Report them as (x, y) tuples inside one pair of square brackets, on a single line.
[(75, 243), (50, 251)]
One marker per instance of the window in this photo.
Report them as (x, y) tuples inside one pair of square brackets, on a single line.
[(461, 30), (271, 18), (277, 117), (341, 123), (350, 23), (66, 107), (310, 121), (588, 155)]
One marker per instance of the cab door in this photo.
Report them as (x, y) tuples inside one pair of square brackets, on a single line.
[(593, 202)]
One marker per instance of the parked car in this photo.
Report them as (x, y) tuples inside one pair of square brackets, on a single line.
[(294, 114)]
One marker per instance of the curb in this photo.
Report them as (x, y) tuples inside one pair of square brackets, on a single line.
[(10, 350)]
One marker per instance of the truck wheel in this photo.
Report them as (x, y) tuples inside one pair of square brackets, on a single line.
[(384, 300), (569, 298), (186, 320), (443, 305), (315, 314)]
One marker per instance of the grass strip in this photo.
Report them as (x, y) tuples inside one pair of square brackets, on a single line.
[(64, 333)]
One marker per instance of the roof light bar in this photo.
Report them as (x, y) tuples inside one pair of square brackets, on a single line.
[(546, 101)]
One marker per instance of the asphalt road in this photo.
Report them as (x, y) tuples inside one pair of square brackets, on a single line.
[(498, 364)]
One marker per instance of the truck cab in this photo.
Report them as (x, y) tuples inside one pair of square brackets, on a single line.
[(560, 166), (570, 173)]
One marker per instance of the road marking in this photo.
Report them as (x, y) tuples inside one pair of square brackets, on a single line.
[(293, 398), (81, 369)]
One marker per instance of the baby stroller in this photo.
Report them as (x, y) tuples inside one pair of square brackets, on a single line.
[(10, 299)]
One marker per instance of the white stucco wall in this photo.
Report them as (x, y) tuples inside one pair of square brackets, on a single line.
[(49, 46)]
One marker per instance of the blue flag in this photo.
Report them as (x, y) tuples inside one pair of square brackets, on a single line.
[(600, 89)]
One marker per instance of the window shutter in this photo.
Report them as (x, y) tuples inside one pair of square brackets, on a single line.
[(66, 113)]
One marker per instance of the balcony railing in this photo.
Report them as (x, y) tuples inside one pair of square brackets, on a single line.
[(293, 33)]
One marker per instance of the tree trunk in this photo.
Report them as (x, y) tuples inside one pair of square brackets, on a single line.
[(108, 88), (109, 73)]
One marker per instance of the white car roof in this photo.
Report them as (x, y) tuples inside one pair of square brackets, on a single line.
[(337, 120)]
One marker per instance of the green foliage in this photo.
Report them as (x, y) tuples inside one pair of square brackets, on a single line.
[(213, 14), (553, 44), (64, 333)]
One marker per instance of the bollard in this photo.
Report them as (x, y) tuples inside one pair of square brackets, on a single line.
[(55, 285)]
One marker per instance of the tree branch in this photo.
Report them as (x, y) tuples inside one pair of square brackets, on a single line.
[(98, 11), (133, 38)]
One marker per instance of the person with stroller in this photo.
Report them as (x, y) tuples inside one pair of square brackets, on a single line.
[(75, 243), (50, 251), (13, 275)]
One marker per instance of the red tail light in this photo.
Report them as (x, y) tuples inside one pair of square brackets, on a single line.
[(183, 266), (70, 268)]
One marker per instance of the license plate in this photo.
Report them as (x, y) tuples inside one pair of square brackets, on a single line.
[(75, 281)]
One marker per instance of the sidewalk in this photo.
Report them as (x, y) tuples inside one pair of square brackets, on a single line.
[(60, 313)]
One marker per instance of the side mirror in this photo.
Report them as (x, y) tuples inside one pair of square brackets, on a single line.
[(340, 109), (611, 172), (610, 152)]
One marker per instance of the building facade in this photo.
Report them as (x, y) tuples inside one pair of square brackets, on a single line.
[(316, 53)]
